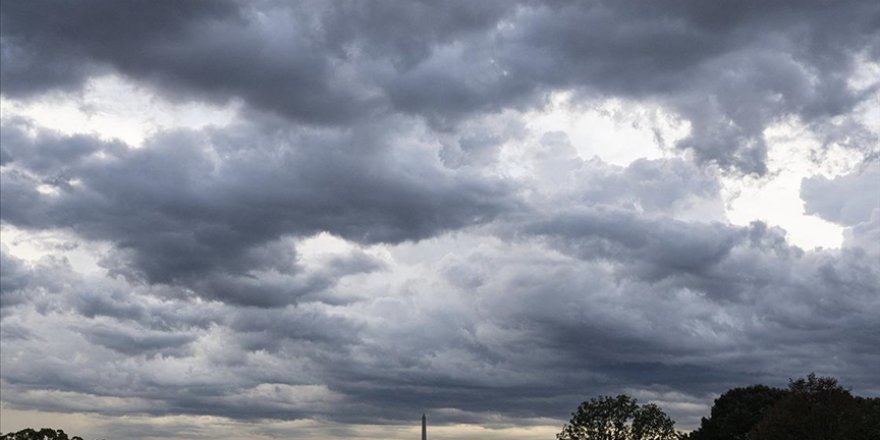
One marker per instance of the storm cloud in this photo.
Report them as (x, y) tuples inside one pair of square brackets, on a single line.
[(400, 216), (730, 68)]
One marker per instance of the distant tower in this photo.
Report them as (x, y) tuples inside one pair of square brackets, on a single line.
[(424, 427)]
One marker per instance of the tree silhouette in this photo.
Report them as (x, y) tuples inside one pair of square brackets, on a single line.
[(618, 418), (736, 412), (43, 434), (818, 408)]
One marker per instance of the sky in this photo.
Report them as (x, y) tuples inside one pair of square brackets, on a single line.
[(321, 219)]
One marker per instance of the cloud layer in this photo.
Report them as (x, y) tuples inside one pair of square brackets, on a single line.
[(383, 229)]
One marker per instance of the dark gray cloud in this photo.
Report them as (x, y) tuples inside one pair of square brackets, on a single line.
[(846, 200), (26, 282), (480, 275), (13, 280), (731, 69), (57, 46), (176, 214), (637, 300), (577, 302), (199, 51), (138, 341), (657, 249), (47, 153), (544, 332)]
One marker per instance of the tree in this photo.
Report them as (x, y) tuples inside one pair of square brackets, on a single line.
[(818, 408), (43, 434), (618, 418), (736, 412), (868, 424)]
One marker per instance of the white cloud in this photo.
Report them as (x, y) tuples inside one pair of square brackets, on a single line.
[(112, 107)]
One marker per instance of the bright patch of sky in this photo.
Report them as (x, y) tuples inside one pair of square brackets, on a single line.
[(620, 132), (113, 108), (616, 131), (32, 246), (775, 198)]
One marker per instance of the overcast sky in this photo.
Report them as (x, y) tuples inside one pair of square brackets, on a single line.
[(320, 219)]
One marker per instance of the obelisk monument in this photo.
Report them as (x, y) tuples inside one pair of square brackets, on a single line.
[(424, 427)]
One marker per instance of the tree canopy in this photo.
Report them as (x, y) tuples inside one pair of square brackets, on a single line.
[(812, 408), (736, 412), (42, 434), (818, 408), (618, 418)]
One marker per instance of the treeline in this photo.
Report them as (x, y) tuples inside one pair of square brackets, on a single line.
[(812, 408), (43, 434)]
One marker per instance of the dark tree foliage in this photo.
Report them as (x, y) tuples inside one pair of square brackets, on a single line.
[(818, 408), (43, 434), (736, 412), (868, 424), (618, 418)]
